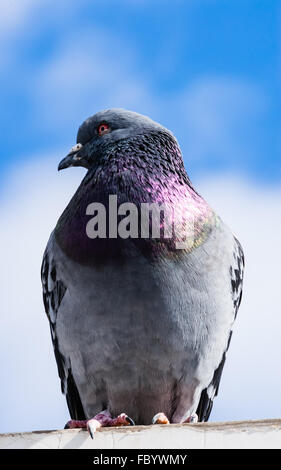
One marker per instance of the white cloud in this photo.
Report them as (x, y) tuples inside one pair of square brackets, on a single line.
[(251, 384), (13, 20), (14, 13), (217, 116), (220, 116), (30, 393), (88, 72), (34, 197), (93, 69), (17, 14), (21, 20)]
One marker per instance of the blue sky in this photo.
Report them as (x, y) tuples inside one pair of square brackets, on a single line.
[(217, 58), (207, 69)]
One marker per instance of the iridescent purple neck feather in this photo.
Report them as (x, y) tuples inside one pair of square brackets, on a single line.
[(142, 169)]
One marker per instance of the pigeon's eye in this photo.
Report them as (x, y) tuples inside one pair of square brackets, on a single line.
[(103, 129)]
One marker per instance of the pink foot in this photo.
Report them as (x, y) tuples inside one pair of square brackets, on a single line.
[(102, 419), (74, 423)]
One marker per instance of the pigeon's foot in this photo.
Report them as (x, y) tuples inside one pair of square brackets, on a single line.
[(192, 419), (102, 419), (75, 423), (160, 418)]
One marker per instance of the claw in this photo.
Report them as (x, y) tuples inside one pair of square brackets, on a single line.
[(102, 419), (160, 418), (92, 426), (130, 421), (74, 423), (122, 420), (91, 431)]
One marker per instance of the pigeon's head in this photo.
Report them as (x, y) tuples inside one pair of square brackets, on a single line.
[(103, 131)]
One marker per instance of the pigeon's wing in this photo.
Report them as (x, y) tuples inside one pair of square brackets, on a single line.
[(236, 271), (53, 293)]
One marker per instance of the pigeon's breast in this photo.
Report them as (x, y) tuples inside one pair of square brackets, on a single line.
[(131, 214), (141, 325), (120, 334)]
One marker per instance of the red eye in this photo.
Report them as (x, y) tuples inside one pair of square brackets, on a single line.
[(103, 129)]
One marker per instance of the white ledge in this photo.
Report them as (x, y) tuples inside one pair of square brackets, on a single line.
[(264, 434)]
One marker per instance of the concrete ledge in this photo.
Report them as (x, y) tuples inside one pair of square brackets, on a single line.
[(265, 434)]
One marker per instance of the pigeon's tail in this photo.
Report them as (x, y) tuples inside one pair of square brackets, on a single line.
[(73, 399), (208, 394), (205, 406)]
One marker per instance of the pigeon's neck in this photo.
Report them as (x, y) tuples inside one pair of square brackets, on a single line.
[(144, 166), (143, 171)]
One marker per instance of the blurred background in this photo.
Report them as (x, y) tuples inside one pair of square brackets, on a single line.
[(207, 69)]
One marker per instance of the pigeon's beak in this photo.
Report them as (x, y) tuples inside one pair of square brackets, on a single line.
[(72, 158)]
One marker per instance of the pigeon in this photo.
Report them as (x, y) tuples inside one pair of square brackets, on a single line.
[(140, 322)]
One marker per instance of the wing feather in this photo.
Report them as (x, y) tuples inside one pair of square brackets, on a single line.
[(236, 272), (53, 293)]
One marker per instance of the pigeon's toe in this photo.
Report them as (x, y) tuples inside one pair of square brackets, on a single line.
[(160, 418), (192, 418), (104, 419), (74, 424), (122, 420), (92, 425)]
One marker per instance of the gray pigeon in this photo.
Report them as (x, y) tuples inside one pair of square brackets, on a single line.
[(140, 324)]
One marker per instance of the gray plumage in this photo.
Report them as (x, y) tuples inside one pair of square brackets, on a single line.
[(137, 326)]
